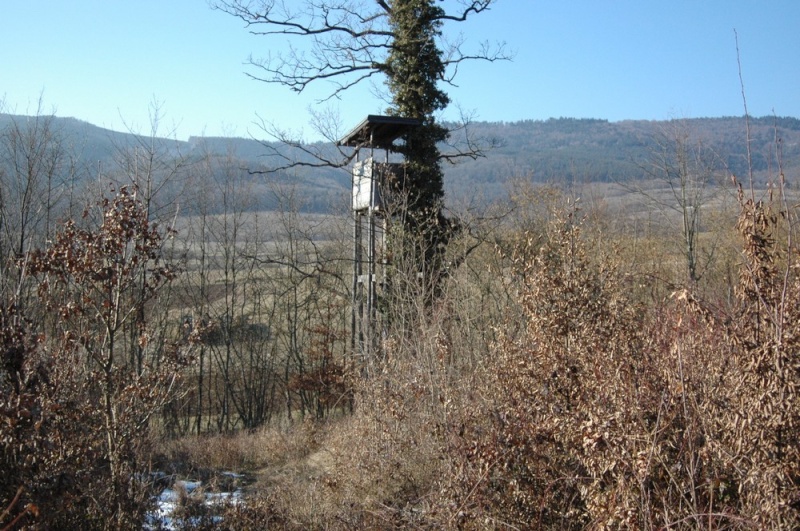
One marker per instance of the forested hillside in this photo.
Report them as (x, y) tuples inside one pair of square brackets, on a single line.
[(558, 151), (570, 150)]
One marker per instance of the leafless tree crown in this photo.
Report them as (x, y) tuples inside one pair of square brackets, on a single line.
[(343, 41)]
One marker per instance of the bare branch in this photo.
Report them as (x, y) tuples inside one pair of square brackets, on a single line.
[(462, 143), (384, 6), (293, 152), (470, 8), (345, 41)]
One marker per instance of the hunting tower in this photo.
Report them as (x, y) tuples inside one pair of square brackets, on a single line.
[(376, 172)]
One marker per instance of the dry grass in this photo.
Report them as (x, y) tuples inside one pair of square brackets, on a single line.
[(564, 381), (270, 447), (598, 409)]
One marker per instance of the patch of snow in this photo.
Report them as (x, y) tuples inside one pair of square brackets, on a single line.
[(163, 517)]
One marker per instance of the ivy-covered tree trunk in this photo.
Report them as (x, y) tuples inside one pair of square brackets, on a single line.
[(413, 68), (350, 41)]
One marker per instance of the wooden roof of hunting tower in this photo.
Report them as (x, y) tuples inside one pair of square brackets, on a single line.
[(379, 131)]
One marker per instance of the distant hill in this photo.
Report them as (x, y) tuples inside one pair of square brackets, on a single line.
[(566, 150), (558, 151)]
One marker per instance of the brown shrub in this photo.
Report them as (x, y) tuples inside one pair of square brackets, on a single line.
[(74, 415), (599, 412)]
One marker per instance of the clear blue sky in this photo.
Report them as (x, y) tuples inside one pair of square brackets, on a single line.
[(106, 61)]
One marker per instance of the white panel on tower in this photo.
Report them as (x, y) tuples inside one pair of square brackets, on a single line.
[(366, 192)]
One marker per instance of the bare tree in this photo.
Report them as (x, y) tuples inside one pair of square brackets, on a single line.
[(349, 42), (153, 164), (36, 171), (265, 287), (687, 174)]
